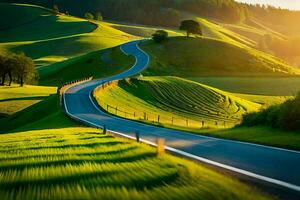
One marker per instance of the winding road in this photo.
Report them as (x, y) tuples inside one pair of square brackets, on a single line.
[(268, 164)]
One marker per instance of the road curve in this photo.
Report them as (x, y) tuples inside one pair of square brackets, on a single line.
[(273, 165)]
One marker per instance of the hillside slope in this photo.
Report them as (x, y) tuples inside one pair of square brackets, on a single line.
[(192, 57), (174, 101), (48, 38)]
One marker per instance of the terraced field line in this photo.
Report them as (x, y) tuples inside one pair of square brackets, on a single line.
[(268, 164)]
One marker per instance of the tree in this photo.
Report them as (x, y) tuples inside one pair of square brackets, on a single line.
[(24, 69), (160, 36), (3, 68), (55, 9), (99, 16), (191, 27), (89, 16)]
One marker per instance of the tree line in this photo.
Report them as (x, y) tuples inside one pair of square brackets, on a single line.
[(17, 68), (154, 12)]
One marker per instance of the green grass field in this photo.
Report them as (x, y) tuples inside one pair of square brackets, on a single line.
[(15, 98), (49, 39), (173, 101), (260, 135), (198, 57), (269, 86), (46, 155), (97, 64), (143, 31)]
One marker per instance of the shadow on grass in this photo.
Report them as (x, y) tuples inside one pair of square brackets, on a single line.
[(78, 161), (46, 114), (90, 145), (24, 98), (113, 152)]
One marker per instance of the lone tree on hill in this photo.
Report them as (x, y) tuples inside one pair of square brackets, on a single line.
[(89, 16), (160, 36), (191, 27), (99, 16)]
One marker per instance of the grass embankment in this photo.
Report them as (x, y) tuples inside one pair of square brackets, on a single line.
[(182, 99), (195, 57), (98, 64), (15, 98), (171, 101), (48, 38), (48, 156)]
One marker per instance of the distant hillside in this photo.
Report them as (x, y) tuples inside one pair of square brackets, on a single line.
[(155, 12), (48, 38), (192, 57)]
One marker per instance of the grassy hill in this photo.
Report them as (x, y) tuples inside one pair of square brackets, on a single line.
[(143, 31), (194, 57), (47, 155), (174, 101), (48, 38), (15, 98), (98, 64)]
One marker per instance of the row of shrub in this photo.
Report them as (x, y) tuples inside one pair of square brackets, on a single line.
[(285, 116)]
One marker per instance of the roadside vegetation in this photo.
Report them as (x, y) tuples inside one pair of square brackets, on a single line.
[(285, 116), (44, 154)]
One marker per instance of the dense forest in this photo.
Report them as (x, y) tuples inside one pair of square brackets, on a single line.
[(168, 12), (152, 12)]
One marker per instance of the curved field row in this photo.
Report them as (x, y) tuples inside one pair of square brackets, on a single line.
[(176, 101)]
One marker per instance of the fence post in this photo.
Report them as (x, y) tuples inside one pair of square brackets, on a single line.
[(104, 129), (137, 136), (116, 110), (145, 116), (217, 123), (158, 118), (160, 146), (107, 107), (134, 114), (202, 124)]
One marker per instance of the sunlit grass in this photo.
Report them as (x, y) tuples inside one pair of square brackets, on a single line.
[(174, 101), (54, 36), (81, 163), (15, 98)]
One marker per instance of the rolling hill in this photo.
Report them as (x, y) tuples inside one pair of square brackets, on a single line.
[(49, 38), (194, 57), (172, 101)]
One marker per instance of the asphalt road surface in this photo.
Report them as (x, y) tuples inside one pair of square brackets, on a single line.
[(274, 165)]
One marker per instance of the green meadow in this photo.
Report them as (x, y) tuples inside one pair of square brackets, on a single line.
[(46, 155), (172, 101), (69, 36), (203, 85), (206, 57)]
